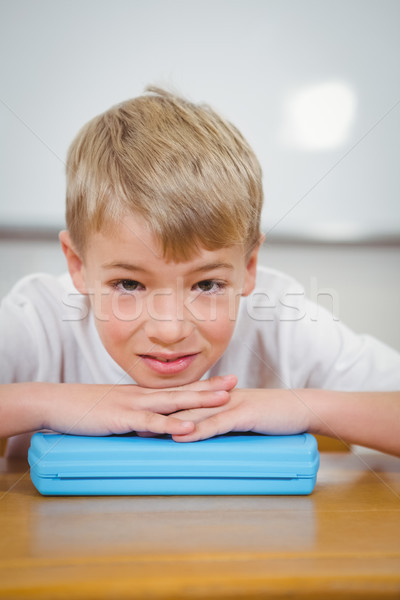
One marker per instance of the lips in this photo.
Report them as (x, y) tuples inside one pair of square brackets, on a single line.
[(168, 364)]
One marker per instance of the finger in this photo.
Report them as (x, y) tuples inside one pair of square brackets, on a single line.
[(218, 382), (149, 422), (218, 424), (171, 401), (198, 414)]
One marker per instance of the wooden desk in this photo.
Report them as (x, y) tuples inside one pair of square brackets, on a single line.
[(342, 541)]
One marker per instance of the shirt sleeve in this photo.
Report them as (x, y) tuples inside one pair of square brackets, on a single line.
[(30, 347), (18, 347), (324, 353)]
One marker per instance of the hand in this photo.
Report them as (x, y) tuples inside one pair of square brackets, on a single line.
[(91, 409), (104, 410), (271, 412)]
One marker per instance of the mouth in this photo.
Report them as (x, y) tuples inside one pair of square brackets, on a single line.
[(168, 364), (160, 358)]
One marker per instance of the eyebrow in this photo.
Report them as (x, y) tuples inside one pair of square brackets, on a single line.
[(125, 266), (201, 269), (213, 266)]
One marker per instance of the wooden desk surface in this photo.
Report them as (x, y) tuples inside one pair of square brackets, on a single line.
[(342, 541)]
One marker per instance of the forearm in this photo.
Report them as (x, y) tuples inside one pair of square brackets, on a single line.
[(22, 407), (104, 409), (366, 418)]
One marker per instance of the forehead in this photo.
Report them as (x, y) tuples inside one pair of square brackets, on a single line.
[(130, 242)]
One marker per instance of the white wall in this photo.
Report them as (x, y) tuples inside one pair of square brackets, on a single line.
[(313, 84)]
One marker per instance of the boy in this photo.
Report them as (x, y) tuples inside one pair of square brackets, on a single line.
[(159, 327)]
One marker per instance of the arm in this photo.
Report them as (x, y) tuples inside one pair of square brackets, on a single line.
[(370, 419), (367, 418), (90, 409)]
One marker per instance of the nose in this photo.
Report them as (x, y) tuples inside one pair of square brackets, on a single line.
[(167, 321)]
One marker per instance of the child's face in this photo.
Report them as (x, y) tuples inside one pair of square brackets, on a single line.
[(164, 323)]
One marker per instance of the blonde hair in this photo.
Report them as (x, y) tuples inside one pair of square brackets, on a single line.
[(186, 171)]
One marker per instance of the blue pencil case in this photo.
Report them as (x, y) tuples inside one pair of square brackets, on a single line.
[(130, 465)]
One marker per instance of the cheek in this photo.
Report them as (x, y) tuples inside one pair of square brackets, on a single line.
[(108, 306), (116, 318), (220, 324), (216, 308)]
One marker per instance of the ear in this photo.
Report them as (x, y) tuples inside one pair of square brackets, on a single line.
[(251, 269), (75, 264)]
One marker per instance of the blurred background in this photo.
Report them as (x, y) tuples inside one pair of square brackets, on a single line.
[(314, 85)]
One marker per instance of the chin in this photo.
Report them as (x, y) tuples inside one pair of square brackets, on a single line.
[(161, 382)]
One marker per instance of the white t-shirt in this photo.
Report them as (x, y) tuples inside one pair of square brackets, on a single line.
[(281, 340)]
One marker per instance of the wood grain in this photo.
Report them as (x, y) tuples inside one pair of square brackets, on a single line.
[(342, 541)]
